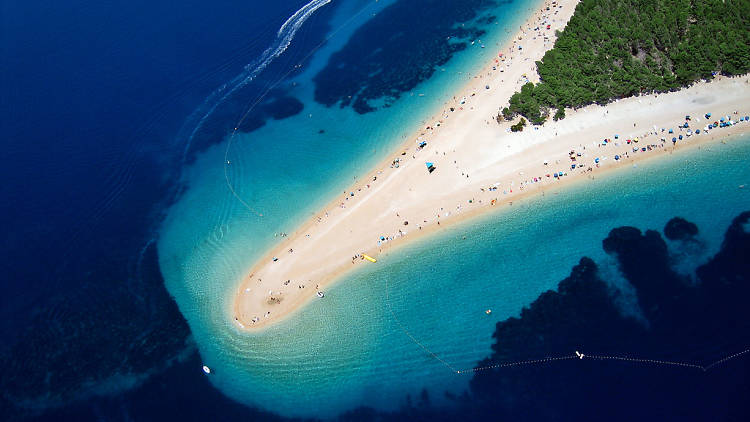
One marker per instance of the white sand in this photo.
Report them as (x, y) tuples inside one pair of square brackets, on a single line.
[(473, 153)]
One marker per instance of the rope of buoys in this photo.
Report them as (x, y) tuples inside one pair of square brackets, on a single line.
[(576, 355), (429, 352)]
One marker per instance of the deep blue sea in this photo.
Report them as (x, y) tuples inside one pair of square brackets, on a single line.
[(125, 231)]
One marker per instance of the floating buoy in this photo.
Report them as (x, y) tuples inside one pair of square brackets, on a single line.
[(207, 370)]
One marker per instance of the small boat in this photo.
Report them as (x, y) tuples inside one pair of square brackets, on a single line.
[(207, 370), (488, 311), (321, 294)]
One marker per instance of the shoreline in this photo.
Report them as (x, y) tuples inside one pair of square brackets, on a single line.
[(254, 309)]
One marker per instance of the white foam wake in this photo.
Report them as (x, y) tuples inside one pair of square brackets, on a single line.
[(284, 38)]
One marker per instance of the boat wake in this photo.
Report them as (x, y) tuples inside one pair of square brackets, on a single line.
[(284, 38)]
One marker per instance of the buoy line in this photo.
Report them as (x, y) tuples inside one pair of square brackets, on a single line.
[(577, 355)]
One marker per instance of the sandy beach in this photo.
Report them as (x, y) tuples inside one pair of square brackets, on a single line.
[(480, 166)]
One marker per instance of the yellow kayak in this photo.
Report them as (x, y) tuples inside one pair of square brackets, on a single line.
[(369, 258)]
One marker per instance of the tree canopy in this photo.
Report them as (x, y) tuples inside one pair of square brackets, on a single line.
[(619, 48)]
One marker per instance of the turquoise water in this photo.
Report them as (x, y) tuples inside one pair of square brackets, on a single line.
[(348, 350)]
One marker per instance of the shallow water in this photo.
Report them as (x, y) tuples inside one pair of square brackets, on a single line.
[(348, 350), (210, 237)]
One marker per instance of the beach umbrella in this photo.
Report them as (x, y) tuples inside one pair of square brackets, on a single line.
[(708, 115), (617, 157), (680, 137), (596, 160), (671, 131), (674, 140), (617, 136)]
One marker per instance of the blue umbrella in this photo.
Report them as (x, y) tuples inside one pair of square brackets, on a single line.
[(617, 157)]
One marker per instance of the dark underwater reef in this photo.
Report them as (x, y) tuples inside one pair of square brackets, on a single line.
[(106, 336), (696, 320), (389, 55)]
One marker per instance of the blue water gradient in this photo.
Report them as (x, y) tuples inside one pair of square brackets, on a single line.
[(115, 123)]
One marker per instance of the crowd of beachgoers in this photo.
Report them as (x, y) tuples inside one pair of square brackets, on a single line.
[(462, 161)]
